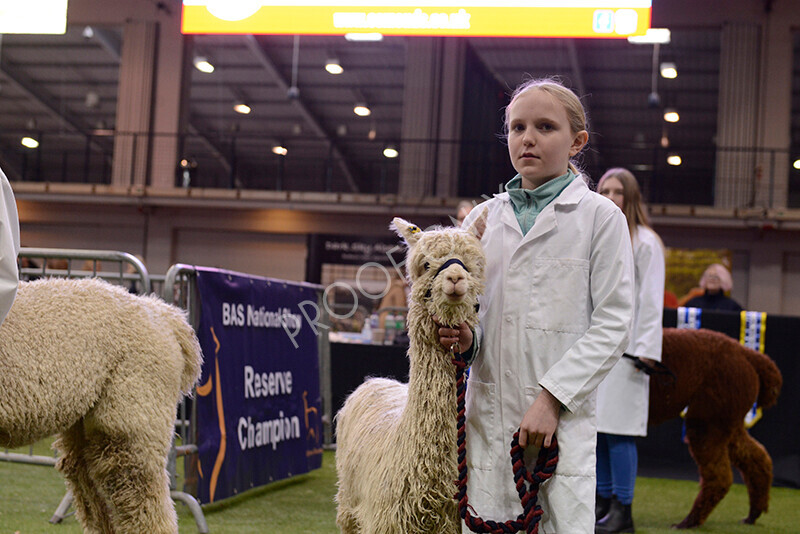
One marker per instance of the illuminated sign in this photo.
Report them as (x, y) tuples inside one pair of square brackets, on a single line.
[(467, 18), (33, 16)]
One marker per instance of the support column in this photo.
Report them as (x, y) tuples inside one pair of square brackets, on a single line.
[(775, 113), (431, 129), (737, 115), (171, 106), (452, 111), (134, 103)]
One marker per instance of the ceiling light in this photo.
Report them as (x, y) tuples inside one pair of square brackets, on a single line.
[(233, 11), (361, 109), (88, 32), (333, 66), (390, 151), (242, 107), (364, 36), (203, 64), (669, 70), (29, 142), (796, 164), (279, 150), (674, 160), (671, 115), (652, 36)]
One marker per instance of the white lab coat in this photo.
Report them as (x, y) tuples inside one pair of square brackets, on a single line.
[(9, 247), (623, 398), (556, 314)]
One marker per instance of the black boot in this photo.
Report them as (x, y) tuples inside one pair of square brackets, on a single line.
[(601, 506), (618, 519)]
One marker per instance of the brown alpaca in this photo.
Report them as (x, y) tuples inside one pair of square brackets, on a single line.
[(718, 379)]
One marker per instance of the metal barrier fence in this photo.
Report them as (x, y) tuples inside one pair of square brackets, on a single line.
[(126, 270), (180, 289)]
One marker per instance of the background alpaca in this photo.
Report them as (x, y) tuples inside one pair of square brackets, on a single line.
[(105, 370), (396, 443), (718, 379)]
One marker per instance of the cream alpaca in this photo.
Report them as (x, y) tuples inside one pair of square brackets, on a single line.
[(396, 443), (105, 370)]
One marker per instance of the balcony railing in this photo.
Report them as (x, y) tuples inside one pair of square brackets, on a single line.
[(745, 177)]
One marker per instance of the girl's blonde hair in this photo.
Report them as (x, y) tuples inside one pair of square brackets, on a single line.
[(576, 115), (632, 205)]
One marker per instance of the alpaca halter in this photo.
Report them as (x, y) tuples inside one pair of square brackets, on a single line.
[(445, 265), (546, 463), (448, 263)]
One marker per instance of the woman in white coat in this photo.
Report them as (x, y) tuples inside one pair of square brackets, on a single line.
[(555, 315), (9, 247), (623, 397)]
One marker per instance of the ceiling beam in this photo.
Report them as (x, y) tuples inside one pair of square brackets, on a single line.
[(51, 105), (33, 91), (269, 65), (109, 42)]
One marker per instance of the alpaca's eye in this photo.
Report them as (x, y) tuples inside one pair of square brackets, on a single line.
[(426, 266)]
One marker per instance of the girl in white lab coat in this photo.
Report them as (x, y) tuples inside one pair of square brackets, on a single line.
[(9, 246), (555, 315), (623, 397)]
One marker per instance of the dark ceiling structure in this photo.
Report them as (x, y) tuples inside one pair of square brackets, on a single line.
[(62, 90)]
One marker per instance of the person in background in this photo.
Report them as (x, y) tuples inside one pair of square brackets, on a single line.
[(715, 282), (623, 397), (462, 210), (9, 247), (555, 315)]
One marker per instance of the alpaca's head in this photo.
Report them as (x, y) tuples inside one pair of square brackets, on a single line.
[(445, 266)]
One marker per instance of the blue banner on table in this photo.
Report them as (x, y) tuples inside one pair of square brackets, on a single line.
[(258, 402)]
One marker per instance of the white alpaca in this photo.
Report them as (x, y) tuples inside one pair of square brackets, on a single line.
[(396, 443), (105, 370)]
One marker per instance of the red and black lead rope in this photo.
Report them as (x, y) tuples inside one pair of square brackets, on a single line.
[(527, 483)]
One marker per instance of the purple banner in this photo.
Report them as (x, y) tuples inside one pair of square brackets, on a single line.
[(258, 402)]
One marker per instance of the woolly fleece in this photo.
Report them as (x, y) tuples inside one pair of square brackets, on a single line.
[(719, 380), (396, 455), (105, 370)]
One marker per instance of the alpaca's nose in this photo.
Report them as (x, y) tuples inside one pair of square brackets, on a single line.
[(455, 277)]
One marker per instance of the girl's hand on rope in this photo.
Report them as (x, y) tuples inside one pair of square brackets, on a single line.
[(460, 335), (540, 421)]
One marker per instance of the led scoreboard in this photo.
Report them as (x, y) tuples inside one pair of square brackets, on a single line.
[(466, 18)]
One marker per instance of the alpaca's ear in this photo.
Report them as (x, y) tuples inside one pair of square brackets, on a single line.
[(478, 225), (406, 230)]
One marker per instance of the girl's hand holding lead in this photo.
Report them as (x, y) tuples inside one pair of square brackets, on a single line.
[(460, 335), (540, 421)]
